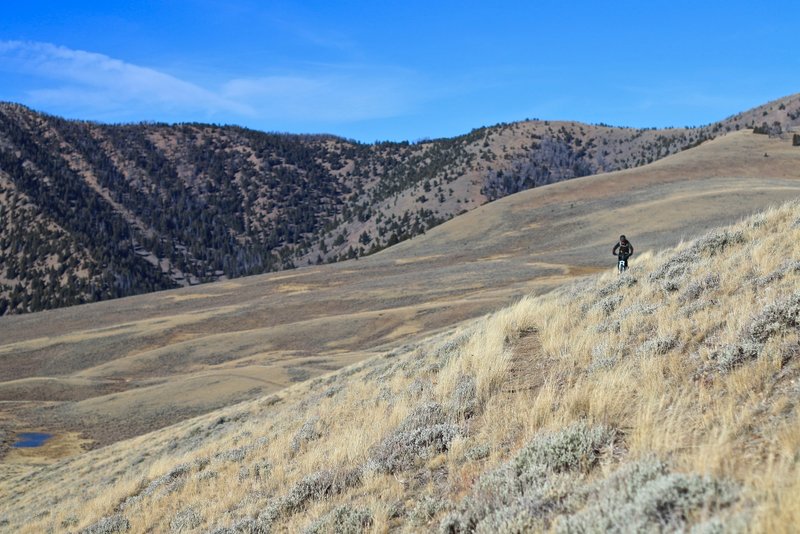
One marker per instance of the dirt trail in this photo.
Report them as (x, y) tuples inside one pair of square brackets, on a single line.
[(528, 364)]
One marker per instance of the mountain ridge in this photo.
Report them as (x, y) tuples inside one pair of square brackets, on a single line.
[(99, 211)]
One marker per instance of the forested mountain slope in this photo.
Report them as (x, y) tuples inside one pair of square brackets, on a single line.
[(91, 211)]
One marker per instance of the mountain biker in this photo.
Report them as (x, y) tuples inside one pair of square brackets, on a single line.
[(623, 250)]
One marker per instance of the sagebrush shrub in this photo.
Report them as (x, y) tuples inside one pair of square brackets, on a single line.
[(464, 400), (307, 432), (418, 388), (671, 273), (341, 520), (624, 280), (608, 326), (576, 447), (312, 487), (609, 304), (670, 499), (165, 484), (333, 390), (769, 279), (624, 482), (525, 515), (698, 305), (423, 415), (452, 523), (717, 241), (452, 347), (108, 525), (69, 521), (401, 449), (601, 364), (478, 452), (605, 355), (260, 469), (789, 350), (644, 497), (775, 319), (673, 269), (757, 221), (698, 287), (425, 509), (729, 357), (233, 455), (186, 520), (657, 346), (246, 526), (537, 479), (638, 309), (385, 394)]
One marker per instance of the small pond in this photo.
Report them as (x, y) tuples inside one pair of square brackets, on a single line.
[(31, 439)]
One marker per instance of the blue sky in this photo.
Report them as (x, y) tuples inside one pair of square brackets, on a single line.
[(397, 70)]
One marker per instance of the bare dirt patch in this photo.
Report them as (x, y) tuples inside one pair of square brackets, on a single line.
[(528, 366)]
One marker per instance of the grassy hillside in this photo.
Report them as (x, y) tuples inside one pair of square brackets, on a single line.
[(108, 371), (93, 212), (663, 399)]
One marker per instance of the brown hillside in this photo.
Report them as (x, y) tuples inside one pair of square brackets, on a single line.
[(662, 400), (93, 212), (113, 370)]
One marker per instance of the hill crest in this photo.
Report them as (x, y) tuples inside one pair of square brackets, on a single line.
[(96, 211)]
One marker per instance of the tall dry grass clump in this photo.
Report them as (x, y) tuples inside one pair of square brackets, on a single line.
[(664, 399)]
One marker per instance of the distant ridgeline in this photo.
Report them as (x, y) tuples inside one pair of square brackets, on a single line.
[(91, 212)]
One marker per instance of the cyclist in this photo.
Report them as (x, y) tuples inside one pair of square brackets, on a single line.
[(623, 250)]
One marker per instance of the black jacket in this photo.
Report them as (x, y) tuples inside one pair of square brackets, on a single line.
[(623, 249)]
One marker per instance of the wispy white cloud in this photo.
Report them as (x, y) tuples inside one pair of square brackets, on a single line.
[(95, 85), (102, 83), (328, 93)]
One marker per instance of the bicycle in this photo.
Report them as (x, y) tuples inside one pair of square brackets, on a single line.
[(622, 264)]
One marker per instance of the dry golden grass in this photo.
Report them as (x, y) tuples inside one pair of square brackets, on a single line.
[(118, 369), (641, 353)]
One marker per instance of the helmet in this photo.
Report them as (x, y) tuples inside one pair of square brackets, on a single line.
[(622, 238)]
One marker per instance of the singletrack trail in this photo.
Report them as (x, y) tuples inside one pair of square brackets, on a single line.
[(528, 366)]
